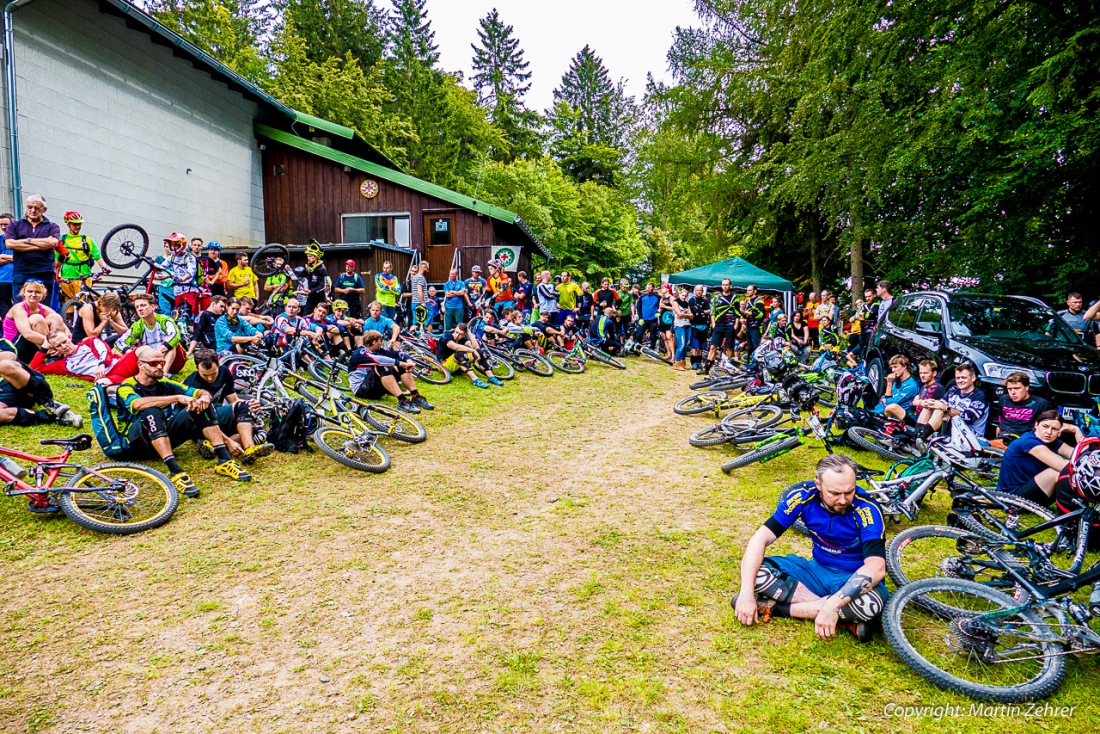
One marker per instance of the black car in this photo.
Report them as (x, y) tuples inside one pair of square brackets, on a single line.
[(999, 335)]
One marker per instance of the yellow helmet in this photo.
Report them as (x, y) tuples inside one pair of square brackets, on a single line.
[(314, 249), (339, 305)]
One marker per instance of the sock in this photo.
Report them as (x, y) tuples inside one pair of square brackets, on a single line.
[(414, 393), (781, 609), (174, 467), (222, 453), (708, 364)]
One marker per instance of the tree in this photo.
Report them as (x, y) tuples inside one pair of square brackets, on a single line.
[(591, 120), (501, 81), (229, 30), (411, 38), (335, 28)]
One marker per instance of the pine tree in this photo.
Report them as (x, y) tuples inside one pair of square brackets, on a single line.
[(412, 40), (501, 81), (232, 31), (591, 120), (334, 28)]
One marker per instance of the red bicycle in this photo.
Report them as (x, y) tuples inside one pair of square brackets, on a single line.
[(118, 497)]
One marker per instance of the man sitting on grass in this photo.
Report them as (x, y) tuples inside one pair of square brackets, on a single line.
[(235, 416), (374, 371), (841, 586)]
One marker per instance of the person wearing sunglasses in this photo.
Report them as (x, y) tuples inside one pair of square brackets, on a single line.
[(162, 414), (33, 241)]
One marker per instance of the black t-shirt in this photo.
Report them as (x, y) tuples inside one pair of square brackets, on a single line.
[(1016, 418), (725, 309), (539, 326), (220, 389), (204, 330), (445, 351), (700, 307), (605, 298)]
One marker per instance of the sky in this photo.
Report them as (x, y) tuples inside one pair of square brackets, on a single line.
[(631, 36)]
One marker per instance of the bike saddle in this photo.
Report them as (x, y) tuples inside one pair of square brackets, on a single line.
[(81, 442), (865, 473)]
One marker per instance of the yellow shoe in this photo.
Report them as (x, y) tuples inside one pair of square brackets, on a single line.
[(257, 451), (233, 470), (183, 484)]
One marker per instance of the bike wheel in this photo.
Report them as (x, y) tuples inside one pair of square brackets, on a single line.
[(654, 355), (360, 453), (752, 419), (430, 370), (535, 363), (126, 499), (715, 435), (498, 367), (394, 423), (996, 659), (764, 452), (936, 551), (1001, 515), (879, 443), (704, 402), (321, 368), (70, 312), (124, 246), (263, 262), (566, 362)]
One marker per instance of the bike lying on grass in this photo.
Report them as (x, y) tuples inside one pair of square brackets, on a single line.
[(119, 497)]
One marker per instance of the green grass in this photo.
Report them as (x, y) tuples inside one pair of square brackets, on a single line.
[(555, 557)]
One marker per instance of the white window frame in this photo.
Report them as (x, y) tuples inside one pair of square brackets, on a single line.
[(361, 215)]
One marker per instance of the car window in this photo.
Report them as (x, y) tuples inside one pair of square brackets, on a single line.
[(931, 316), (904, 314), (1008, 318)]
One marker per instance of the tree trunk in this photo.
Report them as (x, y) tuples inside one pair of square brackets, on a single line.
[(857, 256), (814, 220)]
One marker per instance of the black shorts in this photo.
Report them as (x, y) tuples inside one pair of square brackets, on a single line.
[(664, 328), (36, 391), (371, 387), (723, 334)]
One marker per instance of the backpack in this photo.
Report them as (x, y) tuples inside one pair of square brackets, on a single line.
[(290, 425), (112, 438)]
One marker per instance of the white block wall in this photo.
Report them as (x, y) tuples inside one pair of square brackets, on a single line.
[(118, 128)]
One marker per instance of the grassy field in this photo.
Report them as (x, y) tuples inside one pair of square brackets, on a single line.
[(555, 557)]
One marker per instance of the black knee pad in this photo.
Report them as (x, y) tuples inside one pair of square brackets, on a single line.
[(37, 389), (774, 584), (242, 413), (24, 417), (153, 423), (863, 608)]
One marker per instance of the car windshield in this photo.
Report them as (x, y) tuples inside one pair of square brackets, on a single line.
[(1008, 318)]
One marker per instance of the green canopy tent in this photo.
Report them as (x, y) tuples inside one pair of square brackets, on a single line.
[(741, 273)]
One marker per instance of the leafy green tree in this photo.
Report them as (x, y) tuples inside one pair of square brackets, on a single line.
[(229, 30), (501, 80), (335, 28), (591, 120)]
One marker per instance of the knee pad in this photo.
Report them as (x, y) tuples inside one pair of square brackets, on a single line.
[(153, 423), (24, 417), (863, 608), (241, 412), (37, 389), (774, 584)]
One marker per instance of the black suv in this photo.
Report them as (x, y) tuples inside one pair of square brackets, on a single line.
[(998, 334)]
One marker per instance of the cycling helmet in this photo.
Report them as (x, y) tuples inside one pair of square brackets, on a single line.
[(339, 305), (213, 245), (300, 270), (73, 218), (314, 249), (1085, 477), (773, 362), (800, 392)]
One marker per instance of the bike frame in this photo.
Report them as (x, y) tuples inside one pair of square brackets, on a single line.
[(47, 470)]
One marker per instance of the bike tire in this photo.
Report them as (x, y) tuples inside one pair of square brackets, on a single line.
[(262, 260), (124, 246), (498, 368), (915, 646), (799, 526), (938, 551), (754, 418), (654, 355), (878, 443), (703, 402), (430, 370), (70, 312), (156, 499), (394, 423), (535, 363), (759, 454), (710, 436), (336, 443), (319, 369), (566, 362), (979, 517)]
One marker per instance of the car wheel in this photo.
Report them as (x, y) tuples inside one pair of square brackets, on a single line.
[(876, 375)]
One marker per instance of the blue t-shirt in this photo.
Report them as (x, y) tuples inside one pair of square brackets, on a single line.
[(1018, 467), (841, 542), (647, 306), (382, 325), (5, 270), (903, 394), (476, 286), (454, 301)]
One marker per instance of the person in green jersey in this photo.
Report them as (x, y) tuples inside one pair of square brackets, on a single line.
[(75, 254), (387, 289)]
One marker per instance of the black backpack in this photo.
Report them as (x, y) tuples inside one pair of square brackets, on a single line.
[(291, 424)]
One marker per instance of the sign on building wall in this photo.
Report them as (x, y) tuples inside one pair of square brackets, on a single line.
[(509, 256)]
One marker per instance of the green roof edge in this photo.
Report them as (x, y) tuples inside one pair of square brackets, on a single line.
[(322, 124)]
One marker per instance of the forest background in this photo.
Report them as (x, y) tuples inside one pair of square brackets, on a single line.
[(935, 144)]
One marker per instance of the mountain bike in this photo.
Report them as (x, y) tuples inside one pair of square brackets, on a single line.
[(572, 360), (600, 355), (118, 498), (528, 360), (766, 444)]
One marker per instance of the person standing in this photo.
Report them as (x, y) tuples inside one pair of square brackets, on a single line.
[(419, 290), (547, 296), (215, 270), (349, 287), (32, 241), (809, 313), (454, 301), (1077, 318), (5, 265), (185, 273), (886, 299), (700, 325), (755, 315), (387, 289), (316, 276), (242, 281), (522, 291), (75, 255)]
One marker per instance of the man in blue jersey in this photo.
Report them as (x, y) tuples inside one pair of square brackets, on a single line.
[(841, 587)]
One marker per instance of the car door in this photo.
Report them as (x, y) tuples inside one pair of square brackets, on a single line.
[(903, 320), (928, 334)]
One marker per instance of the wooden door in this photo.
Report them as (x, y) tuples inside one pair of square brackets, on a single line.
[(440, 239)]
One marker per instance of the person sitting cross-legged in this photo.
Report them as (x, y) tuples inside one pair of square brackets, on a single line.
[(841, 587), (161, 414), (232, 333), (235, 416), (374, 371)]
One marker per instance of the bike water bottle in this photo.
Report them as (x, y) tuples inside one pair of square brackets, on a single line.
[(12, 468), (1094, 600)]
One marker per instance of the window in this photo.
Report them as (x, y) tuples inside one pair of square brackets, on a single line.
[(439, 231), (393, 229), (931, 316), (904, 314)]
